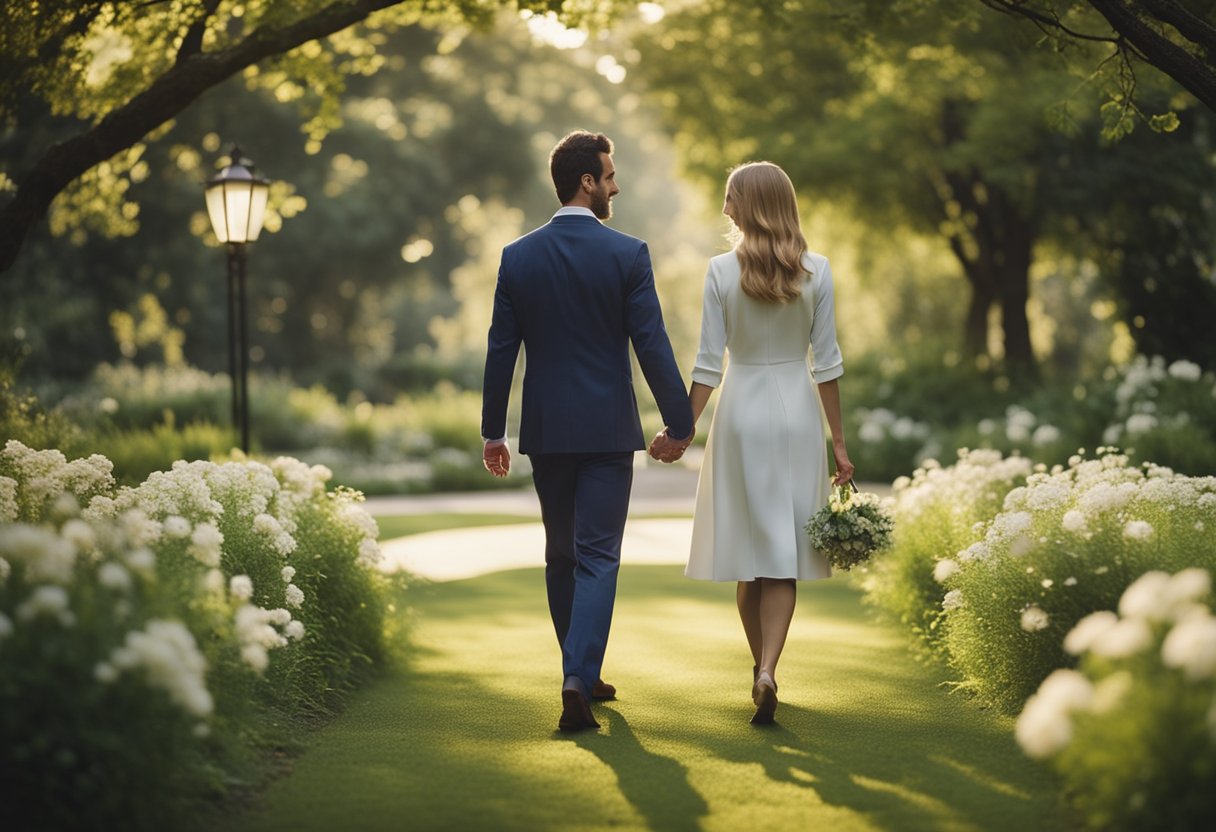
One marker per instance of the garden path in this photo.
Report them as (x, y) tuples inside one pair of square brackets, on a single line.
[(460, 735)]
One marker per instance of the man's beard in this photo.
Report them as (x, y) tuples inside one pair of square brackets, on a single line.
[(601, 205)]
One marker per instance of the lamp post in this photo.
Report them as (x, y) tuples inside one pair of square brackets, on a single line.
[(236, 203)]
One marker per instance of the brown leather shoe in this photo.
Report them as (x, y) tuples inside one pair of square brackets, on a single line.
[(602, 691), (576, 712)]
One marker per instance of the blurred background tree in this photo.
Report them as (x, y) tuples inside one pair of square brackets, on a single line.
[(943, 119)]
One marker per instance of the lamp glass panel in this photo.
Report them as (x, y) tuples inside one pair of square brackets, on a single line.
[(257, 210), (237, 196), (215, 210)]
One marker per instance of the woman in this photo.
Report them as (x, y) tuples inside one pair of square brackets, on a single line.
[(765, 467)]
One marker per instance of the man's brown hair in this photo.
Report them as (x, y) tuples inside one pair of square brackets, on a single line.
[(577, 153)]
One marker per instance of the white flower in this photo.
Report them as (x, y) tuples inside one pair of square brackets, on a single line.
[(1070, 581), (1139, 423), (80, 534), (1191, 646), (1109, 692), (9, 509), (1126, 638), (953, 599), (46, 601), (46, 556), (1034, 619), (105, 673), (279, 616), (295, 630), (113, 576), (1074, 522), (1185, 370), (1045, 435), (176, 527), (1186, 587), (1045, 726), (213, 581), (288, 573), (294, 596), (141, 559), (205, 544), (369, 553), (5, 570), (1137, 530), (255, 656), (943, 569), (1146, 596), (241, 587)]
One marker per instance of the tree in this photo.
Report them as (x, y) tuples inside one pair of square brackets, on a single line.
[(1175, 36), (100, 75), (916, 116)]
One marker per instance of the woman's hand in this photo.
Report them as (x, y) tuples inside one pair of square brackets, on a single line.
[(844, 468)]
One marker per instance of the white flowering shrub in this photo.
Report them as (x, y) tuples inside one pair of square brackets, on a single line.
[(885, 444), (1165, 413), (1132, 732), (142, 628), (1066, 544), (937, 512)]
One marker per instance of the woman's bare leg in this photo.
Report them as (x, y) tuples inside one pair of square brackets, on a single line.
[(777, 598), (748, 597)]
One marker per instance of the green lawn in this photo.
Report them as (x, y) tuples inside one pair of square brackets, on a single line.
[(464, 737), (402, 525)]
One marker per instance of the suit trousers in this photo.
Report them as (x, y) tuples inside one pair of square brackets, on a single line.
[(584, 500)]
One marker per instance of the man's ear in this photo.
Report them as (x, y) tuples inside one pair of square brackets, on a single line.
[(588, 182)]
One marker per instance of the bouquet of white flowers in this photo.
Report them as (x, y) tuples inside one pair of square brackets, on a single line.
[(851, 527)]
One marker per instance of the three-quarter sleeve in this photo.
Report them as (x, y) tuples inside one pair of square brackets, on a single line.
[(708, 368), (827, 362)]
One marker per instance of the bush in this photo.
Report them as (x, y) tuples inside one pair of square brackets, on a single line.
[(146, 636), (1066, 544), (936, 512), (137, 453), (1133, 732)]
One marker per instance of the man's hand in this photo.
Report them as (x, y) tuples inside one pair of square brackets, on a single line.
[(496, 457), (665, 449)]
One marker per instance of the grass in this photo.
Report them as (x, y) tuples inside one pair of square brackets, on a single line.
[(403, 525), (464, 735)]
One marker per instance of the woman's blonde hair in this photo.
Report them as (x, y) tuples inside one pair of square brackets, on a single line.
[(767, 232)]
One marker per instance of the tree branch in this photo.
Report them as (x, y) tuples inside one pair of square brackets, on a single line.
[(1192, 27), (192, 41), (1196, 76), (167, 96), (1018, 8)]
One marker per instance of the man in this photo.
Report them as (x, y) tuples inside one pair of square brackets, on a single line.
[(576, 293)]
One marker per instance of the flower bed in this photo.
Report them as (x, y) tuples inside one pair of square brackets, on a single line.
[(147, 632)]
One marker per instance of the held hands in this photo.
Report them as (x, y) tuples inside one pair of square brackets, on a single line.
[(844, 468), (665, 449), (496, 459)]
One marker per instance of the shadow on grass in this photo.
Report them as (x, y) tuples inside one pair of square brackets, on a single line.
[(463, 736), (655, 785)]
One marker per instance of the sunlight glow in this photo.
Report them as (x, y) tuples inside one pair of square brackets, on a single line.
[(548, 29)]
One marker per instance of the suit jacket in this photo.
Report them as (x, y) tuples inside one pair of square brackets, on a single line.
[(576, 293)]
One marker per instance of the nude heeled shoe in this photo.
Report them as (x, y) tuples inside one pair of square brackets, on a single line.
[(764, 696)]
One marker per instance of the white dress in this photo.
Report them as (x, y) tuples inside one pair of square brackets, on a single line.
[(765, 470)]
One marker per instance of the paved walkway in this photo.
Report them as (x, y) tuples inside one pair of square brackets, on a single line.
[(453, 554)]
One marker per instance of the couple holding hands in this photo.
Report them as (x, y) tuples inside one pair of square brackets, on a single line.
[(577, 294)]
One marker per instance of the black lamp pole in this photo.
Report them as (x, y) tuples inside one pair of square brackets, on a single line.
[(236, 203)]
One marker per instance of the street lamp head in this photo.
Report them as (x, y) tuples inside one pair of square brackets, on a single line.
[(236, 200)]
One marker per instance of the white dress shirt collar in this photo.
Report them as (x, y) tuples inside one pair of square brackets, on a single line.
[(575, 211)]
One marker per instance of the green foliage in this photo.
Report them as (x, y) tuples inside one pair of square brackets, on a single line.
[(938, 512), (1131, 733)]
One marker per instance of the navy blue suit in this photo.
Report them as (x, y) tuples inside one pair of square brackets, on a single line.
[(576, 294)]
